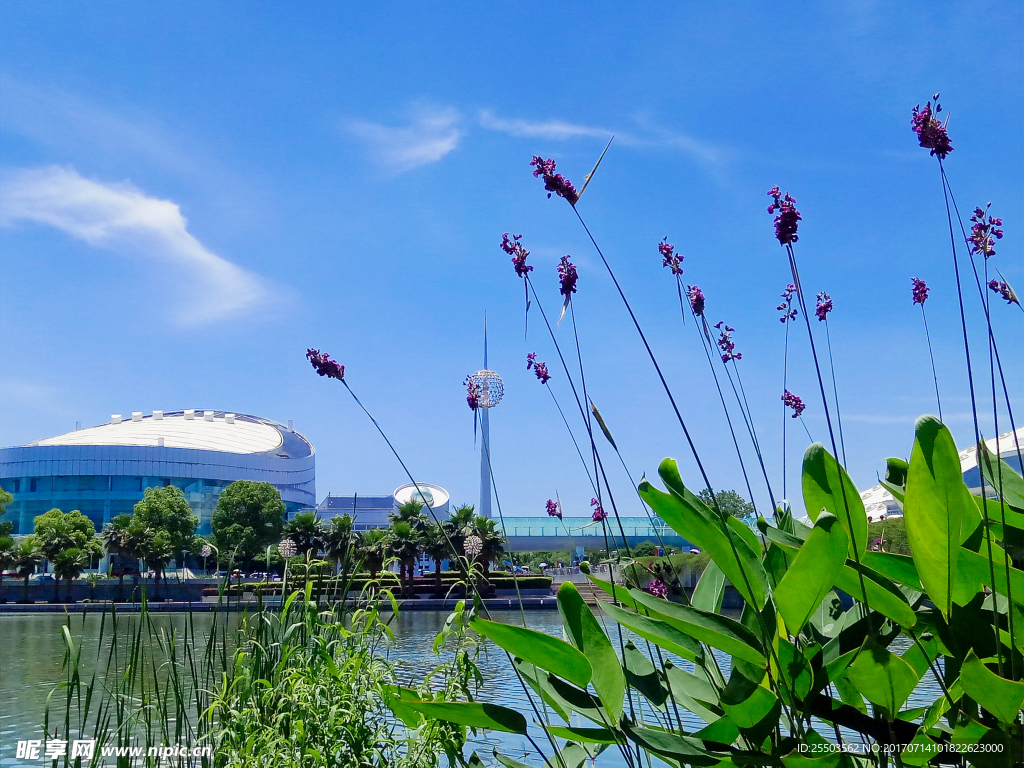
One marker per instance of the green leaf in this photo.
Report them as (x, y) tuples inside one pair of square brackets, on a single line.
[(538, 680), (616, 593), (642, 675), (937, 501), (395, 698), (1000, 476), (826, 486), (692, 518), (813, 572), (721, 731), (707, 596), (472, 714), (745, 702), (586, 634), (898, 568), (883, 678), (685, 749), (714, 629), (547, 652), (693, 693), (658, 632), (583, 735), (1003, 698), (982, 746)]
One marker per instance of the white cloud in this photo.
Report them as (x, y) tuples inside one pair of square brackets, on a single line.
[(430, 135), (121, 218), (548, 129)]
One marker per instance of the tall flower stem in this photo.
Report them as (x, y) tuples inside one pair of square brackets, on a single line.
[(686, 433), (931, 356), (785, 416), (835, 391)]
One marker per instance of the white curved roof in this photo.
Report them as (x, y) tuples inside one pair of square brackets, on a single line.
[(217, 434), (438, 495)]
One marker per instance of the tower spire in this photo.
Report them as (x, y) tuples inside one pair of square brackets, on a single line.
[(485, 446)]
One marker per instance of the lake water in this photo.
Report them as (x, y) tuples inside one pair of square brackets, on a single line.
[(31, 653)]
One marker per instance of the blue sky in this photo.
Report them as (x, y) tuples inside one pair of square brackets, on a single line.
[(194, 193)]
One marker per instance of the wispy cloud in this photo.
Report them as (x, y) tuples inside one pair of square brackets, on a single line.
[(120, 218), (546, 129), (431, 134)]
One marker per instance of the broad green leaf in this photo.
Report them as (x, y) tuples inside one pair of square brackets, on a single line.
[(547, 652), (693, 693), (919, 751), (823, 759), (848, 693), (1002, 697), (722, 731), (813, 572), (826, 486), (615, 592), (707, 596), (472, 714), (883, 678), (685, 749), (1000, 475), (583, 735), (395, 697), (896, 471), (690, 517), (658, 632), (898, 568), (827, 619), (983, 747), (538, 680), (796, 669), (642, 675), (936, 504), (562, 696), (751, 711), (586, 634), (714, 629)]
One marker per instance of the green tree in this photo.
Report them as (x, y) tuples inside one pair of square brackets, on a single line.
[(166, 509), (372, 547), (493, 542), (7, 557), (156, 551), (645, 549), (68, 564), (404, 543), (730, 502), (436, 545), (27, 558), (339, 540), (58, 531), (117, 542), (249, 517), (307, 531), (6, 526)]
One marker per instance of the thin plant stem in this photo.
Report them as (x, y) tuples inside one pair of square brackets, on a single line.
[(835, 391), (931, 356), (785, 388)]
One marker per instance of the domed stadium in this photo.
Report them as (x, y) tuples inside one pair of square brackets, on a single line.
[(104, 470)]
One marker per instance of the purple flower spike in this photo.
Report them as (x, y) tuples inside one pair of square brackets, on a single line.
[(985, 232), (554, 182), (599, 513), (725, 343), (472, 393), (669, 257), (786, 222), (567, 277), (324, 366), (657, 588), (514, 248), (531, 358), (824, 306), (553, 509), (794, 402), (786, 307), (920, 291), (1004, 290), (696, 299), (931, 133), (541, 369)]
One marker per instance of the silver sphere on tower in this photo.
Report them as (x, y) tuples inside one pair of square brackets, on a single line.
[(489, 386)]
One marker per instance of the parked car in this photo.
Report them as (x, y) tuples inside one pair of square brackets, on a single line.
[(41, 578)]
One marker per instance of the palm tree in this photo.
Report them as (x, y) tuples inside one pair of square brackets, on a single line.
[(487, 530), (404, 543), (68, 564), (372, 549), (338, 540), (7, 550), (436, 545), (307, 531), (27, 558), (157, 551), (117, 540)]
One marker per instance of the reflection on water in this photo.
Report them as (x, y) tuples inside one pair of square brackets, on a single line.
[(32, 653)]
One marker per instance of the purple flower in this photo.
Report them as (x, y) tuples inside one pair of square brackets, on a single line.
[(323, 364), (793, 402), (514, 248), (985, 232), (567, 277), (657, 588), (599, 514), (920, 291), (531, 358), (696, 299), (786, 221), (824, 306), (669, 258), (554, 182), (1004, 290), (472, 393), (725, 343), (554, 510), (786, 307), (541, 370), (931, 133)]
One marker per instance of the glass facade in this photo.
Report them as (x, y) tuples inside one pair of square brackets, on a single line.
[(103, 481)]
